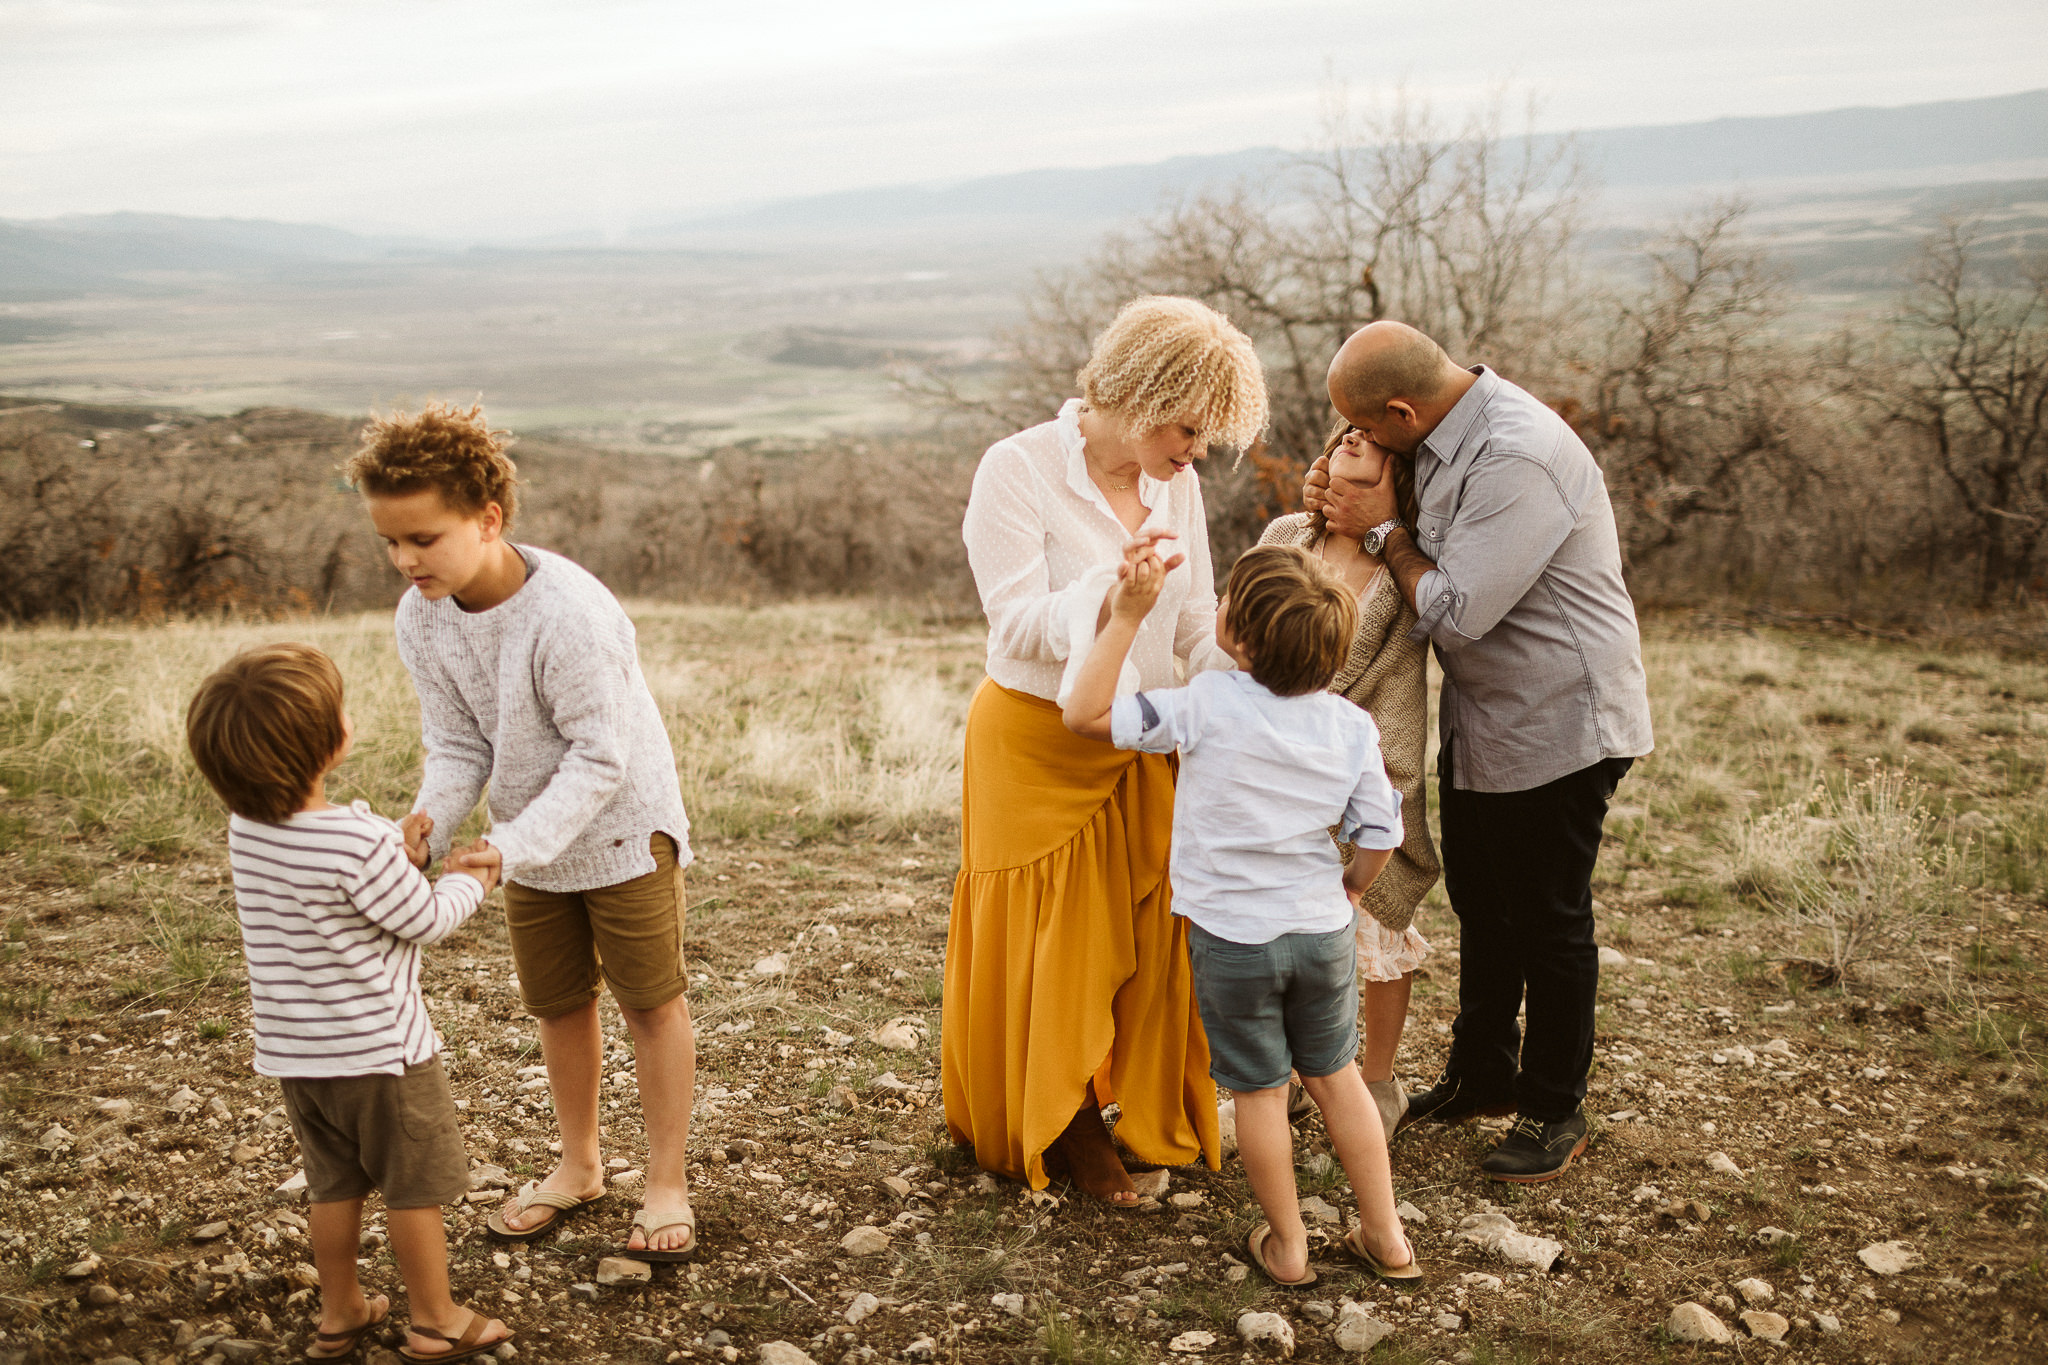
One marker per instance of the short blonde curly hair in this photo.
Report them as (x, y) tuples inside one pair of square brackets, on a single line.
[(1166, 359)]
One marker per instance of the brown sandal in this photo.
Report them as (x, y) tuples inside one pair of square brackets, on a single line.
[(342, 1345), (465, 1347)]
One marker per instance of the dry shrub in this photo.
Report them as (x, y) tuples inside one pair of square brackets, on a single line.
[(1863, 870), (110, 513)]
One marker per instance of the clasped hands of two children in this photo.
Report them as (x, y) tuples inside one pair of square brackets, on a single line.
[(477, 857)]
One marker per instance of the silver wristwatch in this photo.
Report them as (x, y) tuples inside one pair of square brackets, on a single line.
[(1375, 540)]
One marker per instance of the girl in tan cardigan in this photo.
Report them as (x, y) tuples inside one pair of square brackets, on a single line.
[(1387, 675)]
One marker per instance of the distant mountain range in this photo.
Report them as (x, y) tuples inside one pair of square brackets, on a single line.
[(1999, 137), (1050, 212)]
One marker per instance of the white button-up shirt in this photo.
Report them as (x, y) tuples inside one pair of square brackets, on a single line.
[(1044, 545), (1263, 779)]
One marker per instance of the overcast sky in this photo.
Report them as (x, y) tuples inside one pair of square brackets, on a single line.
[(515, 117)]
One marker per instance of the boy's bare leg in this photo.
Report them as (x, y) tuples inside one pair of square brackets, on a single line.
[(1353, 1121), (665, 1062), (336, 1228), (419, 1243), (572, 1045), (1266, 1145), (1386, 1014)]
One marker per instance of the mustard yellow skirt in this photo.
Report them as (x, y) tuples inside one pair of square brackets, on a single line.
[(1064, 961)]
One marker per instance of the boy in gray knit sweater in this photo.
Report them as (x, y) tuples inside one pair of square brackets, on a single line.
[(529, 682)]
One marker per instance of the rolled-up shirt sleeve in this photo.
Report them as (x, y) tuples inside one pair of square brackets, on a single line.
[(1005, 533), (1154, 722), (1511, 520)]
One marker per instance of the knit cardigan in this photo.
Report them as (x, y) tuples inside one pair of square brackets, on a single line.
[(1386, 674)]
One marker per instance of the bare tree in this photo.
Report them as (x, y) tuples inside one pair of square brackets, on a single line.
[(1467, 233), (1964, 367), (1694, 396)]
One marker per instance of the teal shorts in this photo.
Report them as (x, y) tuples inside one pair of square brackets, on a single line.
[(1290, 1004)]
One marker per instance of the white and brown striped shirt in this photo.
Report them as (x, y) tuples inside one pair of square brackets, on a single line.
[(333, 916)]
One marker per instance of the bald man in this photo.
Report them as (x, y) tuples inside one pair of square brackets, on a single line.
[(1514, 570)]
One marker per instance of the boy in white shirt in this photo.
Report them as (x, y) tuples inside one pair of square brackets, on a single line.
[(1270, 764)]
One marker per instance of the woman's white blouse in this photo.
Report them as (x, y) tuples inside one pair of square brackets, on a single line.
[(1045, 546)]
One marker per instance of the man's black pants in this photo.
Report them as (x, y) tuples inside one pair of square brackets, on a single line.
[(1518, 867)]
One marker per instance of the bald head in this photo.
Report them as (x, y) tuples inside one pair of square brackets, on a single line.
[(1385, 361)]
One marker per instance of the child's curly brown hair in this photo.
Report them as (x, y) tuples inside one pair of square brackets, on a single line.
[(443, 447)]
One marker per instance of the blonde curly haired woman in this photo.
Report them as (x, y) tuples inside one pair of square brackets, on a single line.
[(1067, 982)]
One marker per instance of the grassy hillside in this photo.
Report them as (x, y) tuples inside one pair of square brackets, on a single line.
[(818, 746)]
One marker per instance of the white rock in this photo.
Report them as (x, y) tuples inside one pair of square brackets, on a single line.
[(207, 1232), (1754, 1291), (775, 964), (81, 1269), (889, 1084), (1692, 1322), (782, 1353), (620, 1270), (625, 1177), (1827, 1324), (865, 1241), (1719, 1162), (924, 1348), (118, 1110), (1320, 1209), (295, 1184), (1610, 958), (1013, 1304), (1186, 1200), (900, 1035), (863, 1306), (1357, 1330), (834, 1038), (1473, 1279), (1151, 1184), (1408, 1213), (1267, 1332), (896, 1185), (1776, 1047), (1496, 1232), (1889, 1258), (1226, 1127), (1450, 1322), (56, 1138), (1771, 1237), (1766, 1326), (1191, 1343), (488, 1177), (183, 1101)]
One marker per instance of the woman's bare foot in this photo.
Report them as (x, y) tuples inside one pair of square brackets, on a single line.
[(1091, 1160)]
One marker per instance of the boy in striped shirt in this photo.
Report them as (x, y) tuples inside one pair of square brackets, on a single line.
[(333, 914)]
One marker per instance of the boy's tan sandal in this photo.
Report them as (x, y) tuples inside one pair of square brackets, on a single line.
[(534, 1197), (1354, 1242), (652, 1223), (1255, 1247)]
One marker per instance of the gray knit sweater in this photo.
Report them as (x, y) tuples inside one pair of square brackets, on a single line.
[(542, 698)]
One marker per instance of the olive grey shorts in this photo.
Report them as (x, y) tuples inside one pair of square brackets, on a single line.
[(397, 1134), (1268, 1008)]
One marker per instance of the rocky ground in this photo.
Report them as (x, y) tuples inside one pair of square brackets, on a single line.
[(1797, 1167), (1825, 1174)]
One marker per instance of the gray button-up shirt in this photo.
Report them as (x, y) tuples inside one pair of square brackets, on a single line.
[(1543, 667)]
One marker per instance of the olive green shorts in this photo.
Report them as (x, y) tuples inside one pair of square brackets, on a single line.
[(629, 935), (397, 1134)]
